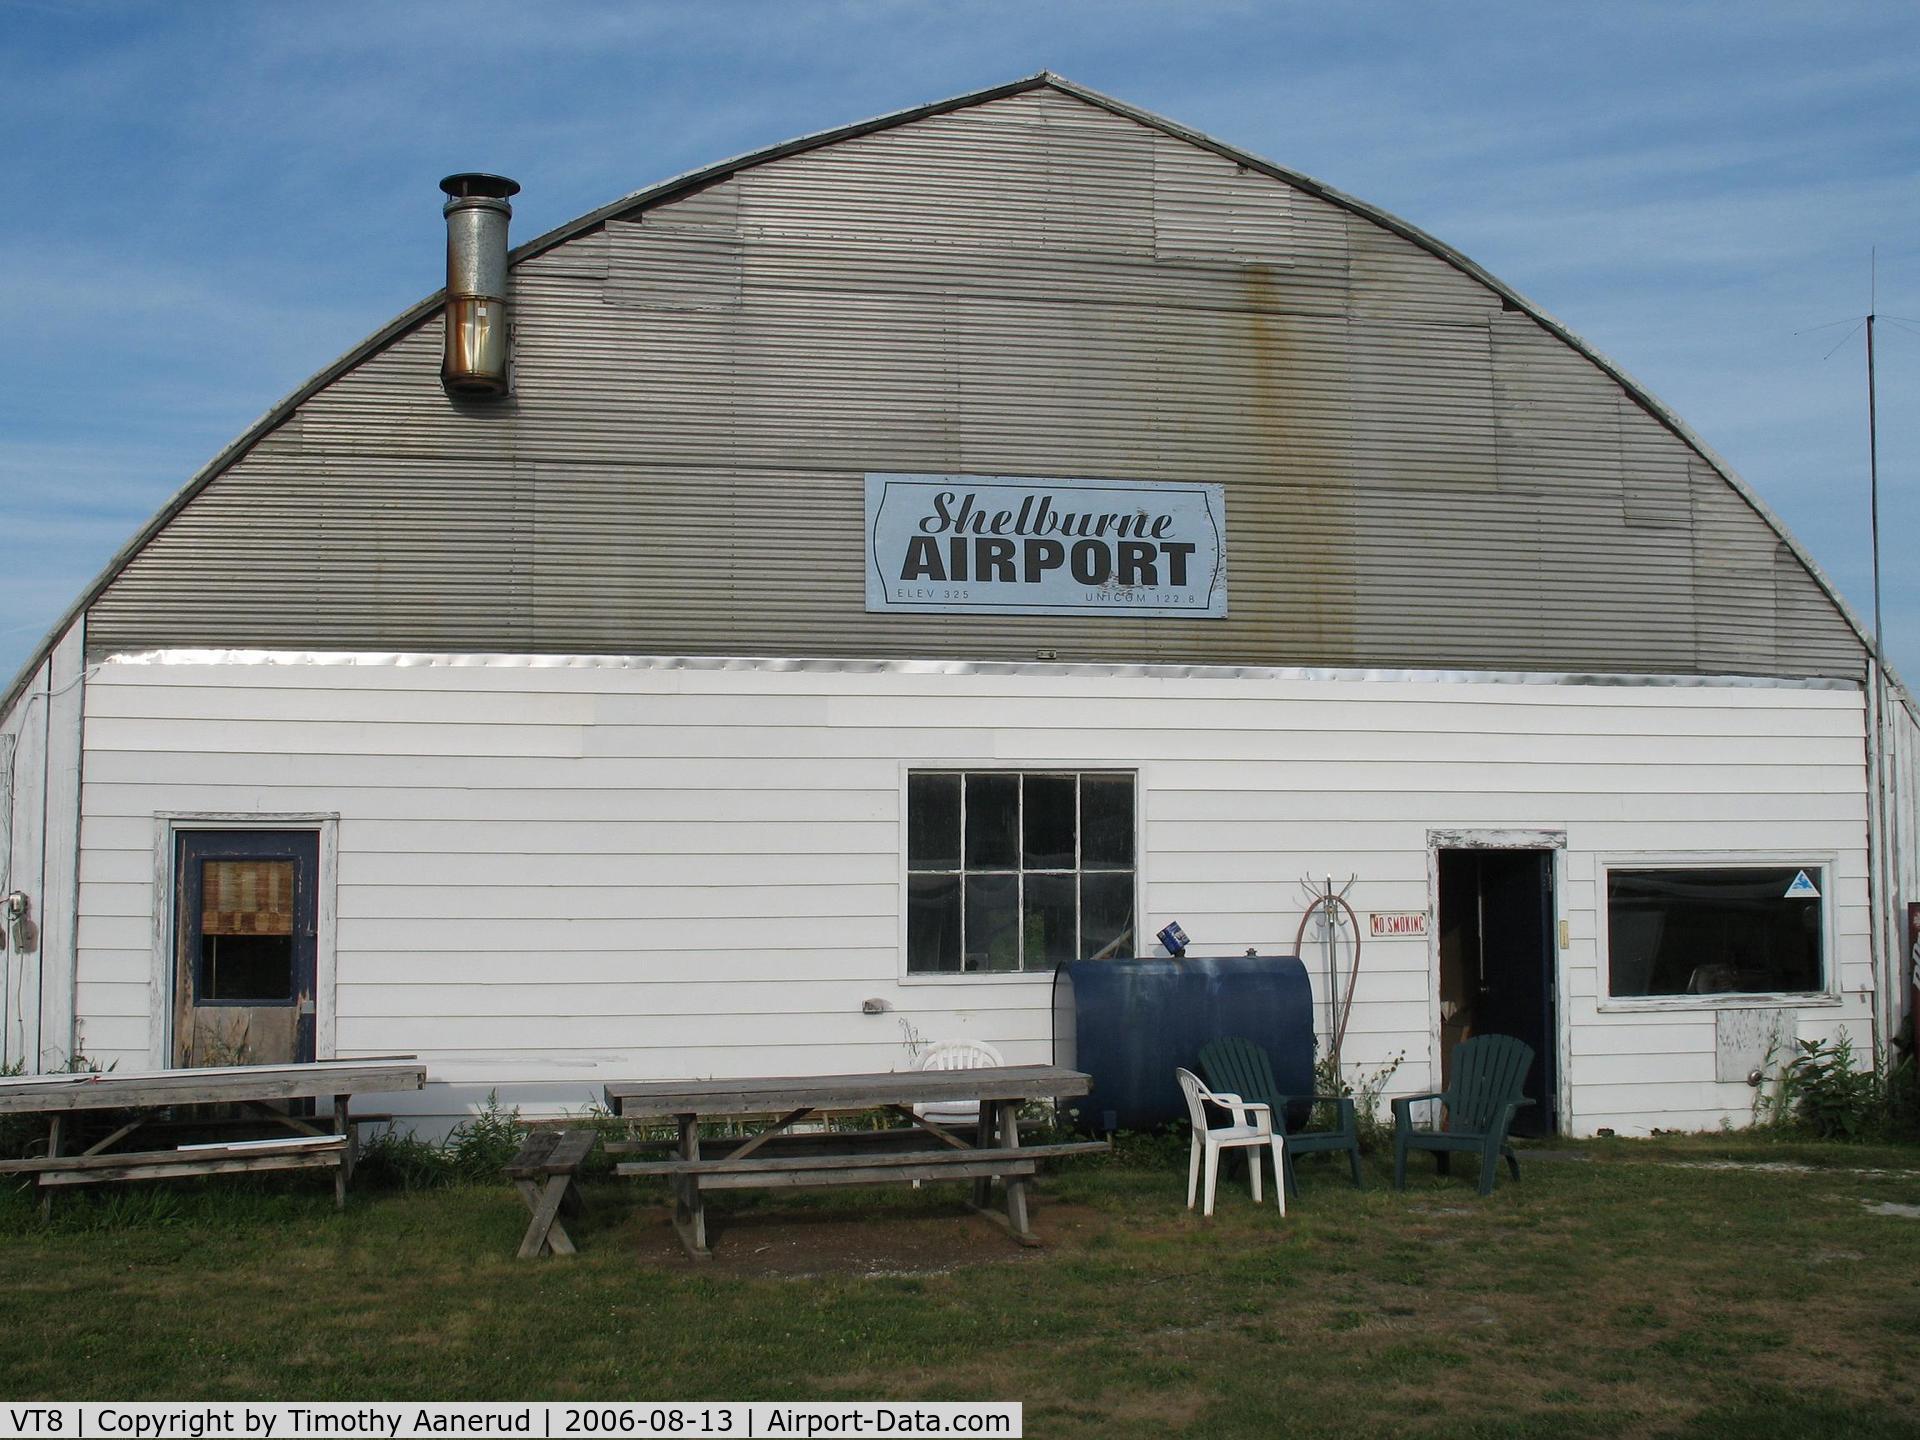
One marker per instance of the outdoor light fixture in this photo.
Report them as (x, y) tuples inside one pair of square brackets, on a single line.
[(18, 932)]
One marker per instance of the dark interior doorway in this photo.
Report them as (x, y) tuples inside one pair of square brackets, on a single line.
[(1497, 964)]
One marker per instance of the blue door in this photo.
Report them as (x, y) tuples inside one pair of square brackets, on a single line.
[(246, 907)]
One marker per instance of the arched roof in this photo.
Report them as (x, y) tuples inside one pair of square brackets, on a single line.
[(691, 181)]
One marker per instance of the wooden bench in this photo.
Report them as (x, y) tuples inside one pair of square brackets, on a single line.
[(776, 1155), (321, 1151), (543, 1170), (858, 1166), (159, 1104), (874, 1158)]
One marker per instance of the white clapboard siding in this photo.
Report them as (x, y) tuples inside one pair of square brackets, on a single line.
[(555, 874), (39, 853), (1901, 781)]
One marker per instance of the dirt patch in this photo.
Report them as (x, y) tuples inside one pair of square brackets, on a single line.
[(1784, 1167), (1891, 1207), (879, 1241)]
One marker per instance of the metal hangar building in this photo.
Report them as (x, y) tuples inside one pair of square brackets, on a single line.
[(768, 623)]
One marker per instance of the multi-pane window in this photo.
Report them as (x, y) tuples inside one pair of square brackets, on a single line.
[(1746, 930), (1008, 870)]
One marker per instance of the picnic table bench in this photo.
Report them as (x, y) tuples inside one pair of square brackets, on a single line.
[(775, 1156), (543, 1169), (147, 1101)]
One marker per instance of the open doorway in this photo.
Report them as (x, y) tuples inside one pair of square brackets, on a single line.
[(1495, 918)]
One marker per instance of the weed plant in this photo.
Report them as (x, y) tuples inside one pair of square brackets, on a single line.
[(474, 1152), (1824, 1091), (1375, 1132), (25, 1135)]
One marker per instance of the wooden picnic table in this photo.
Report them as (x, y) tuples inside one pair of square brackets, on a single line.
[(923, 1149), (147, 1098)]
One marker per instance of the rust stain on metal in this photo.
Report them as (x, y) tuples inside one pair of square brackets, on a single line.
[(1308, 513)]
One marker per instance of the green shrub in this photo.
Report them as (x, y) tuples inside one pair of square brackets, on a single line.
[(1830, 1095)]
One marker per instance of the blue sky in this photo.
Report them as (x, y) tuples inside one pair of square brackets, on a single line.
[(206, 203)]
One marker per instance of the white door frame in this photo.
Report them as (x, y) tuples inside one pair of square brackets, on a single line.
[(168, 824), (1554, 841)]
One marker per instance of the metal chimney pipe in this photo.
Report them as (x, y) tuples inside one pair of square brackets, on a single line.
[(477, 311)]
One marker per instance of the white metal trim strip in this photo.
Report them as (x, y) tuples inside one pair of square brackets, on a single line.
[(378, 659)]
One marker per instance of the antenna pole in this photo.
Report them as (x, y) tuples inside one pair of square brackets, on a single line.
[(1873, 482), (1887, 871)]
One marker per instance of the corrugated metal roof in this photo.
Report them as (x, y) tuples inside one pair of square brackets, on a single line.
[(1251, 208)]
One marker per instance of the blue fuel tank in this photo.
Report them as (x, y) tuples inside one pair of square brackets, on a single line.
[(1129, 1023)]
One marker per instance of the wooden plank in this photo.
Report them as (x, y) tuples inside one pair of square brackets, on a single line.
[(118, 1135), (544, 1229), (180, 1168), (1009, 1136), (1000, 1218), (575, 1146), (948, 1084), (771, 1095), (754, 1142), (689, 1212), (212, 1072), (136, 1161), (939, 1132), (299, 1124), (784, 1144), (769, 1165), (122, 1090), (533, 1154), (873, 1175), (985, 1131), (55, 1131), (343, 1124)]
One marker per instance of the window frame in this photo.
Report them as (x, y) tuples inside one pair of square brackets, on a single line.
[(1829, 993), (1036, 766)]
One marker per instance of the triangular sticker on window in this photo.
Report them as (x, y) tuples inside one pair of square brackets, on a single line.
[(1802, 888)]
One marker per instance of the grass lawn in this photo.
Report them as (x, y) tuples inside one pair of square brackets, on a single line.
[(1643, 1290)]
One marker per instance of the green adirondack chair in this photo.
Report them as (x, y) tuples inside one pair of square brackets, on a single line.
[(1489, 1072), (1243, 1068)]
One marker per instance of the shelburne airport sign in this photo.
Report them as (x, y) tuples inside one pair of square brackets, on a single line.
[(997, 544)]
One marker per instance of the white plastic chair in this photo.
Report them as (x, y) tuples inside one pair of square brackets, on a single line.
[(955, 1055), (1252, 1127)]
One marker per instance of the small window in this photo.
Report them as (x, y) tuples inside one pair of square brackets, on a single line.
[(1009, 871), (246, 930), (1747, 930)]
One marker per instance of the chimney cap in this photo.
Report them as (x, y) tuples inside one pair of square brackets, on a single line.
[(479, 183)]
